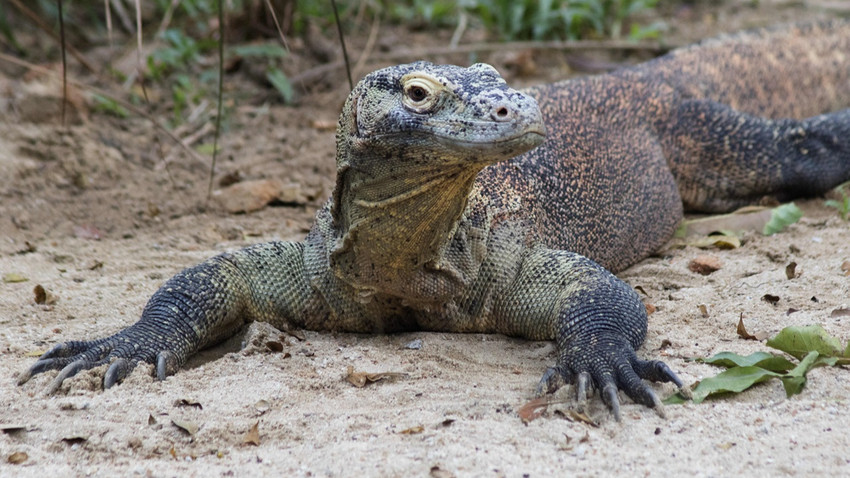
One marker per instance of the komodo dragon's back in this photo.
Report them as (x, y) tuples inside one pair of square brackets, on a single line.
[(625, 150)]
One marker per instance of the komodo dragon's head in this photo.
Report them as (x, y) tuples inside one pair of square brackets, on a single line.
[(410, 123), (448, 113), (410, 142)]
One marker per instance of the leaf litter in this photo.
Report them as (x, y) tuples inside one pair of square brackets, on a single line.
[(811, 345)]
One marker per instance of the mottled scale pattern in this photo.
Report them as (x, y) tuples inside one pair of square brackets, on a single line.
[(452, 213)]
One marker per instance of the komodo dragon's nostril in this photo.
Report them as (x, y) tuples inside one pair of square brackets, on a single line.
[(501, 113)]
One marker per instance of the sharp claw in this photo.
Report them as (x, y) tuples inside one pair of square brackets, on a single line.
[(69, 371), (609, 396), (686, 392), (24, 378), (581, 390), (166, 364), (119, 369)]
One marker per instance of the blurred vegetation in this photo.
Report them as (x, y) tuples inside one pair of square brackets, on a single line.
[(183, 57)]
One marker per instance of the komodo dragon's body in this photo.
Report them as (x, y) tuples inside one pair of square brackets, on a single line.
[(433, 226)]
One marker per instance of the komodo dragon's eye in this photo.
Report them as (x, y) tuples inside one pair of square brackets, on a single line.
[(421, 92), (417, 93)]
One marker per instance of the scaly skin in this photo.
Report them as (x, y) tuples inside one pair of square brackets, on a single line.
[(445, 217)]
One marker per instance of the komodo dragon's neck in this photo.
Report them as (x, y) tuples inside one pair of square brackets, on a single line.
[(410, 143)]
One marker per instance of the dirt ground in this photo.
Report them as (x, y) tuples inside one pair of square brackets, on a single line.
[(89, 213)]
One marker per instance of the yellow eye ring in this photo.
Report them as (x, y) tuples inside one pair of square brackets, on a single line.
[(420, 93)]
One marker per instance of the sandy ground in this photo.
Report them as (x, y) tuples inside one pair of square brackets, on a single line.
[(89, 213)]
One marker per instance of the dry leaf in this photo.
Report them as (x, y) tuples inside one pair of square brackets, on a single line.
[(703, 310), (252, 436), (360, 379), (745, 219), (533, 409), (151, 420), (43, 296), (413, 430), (17, 458), (650, 309), (12, 277), (75, 439), (845, 266), (742, 331), (185, 402), (791, 270), (581, 417), (704, 265), (770, 299), (840, 312), (187, 426)]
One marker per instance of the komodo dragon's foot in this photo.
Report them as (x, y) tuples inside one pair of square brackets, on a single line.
[(123, 351), (608, 364)]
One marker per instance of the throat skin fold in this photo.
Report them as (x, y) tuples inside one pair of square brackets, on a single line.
[(394, 225)]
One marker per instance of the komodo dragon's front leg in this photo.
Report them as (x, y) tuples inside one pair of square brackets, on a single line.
[(198, 307), (597, 320)]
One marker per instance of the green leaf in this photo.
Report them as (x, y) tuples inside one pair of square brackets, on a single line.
[(765, 360), (675, 399), (782, 217), (736, 379), (109, 105), (793, 385), (799, 341), (267, 50), (281, 84)]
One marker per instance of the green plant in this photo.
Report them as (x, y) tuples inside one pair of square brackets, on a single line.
[(562, 19), (843, 204)]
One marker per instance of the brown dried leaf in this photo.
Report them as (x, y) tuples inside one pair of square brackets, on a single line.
[(413, 430), (43, 296), (791, 270), (650, 309), (360, 379), (742, 331), (703, 310), (75, 439), (17, 458), (704, 265), (252, 436), (840, 312), (845, 266), (575, 416), (185, 402), (533, 409)]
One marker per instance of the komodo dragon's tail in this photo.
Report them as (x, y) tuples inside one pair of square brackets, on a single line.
[(760, 114), (793, 71)]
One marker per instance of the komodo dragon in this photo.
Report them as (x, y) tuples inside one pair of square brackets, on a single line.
[(451, 213)]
